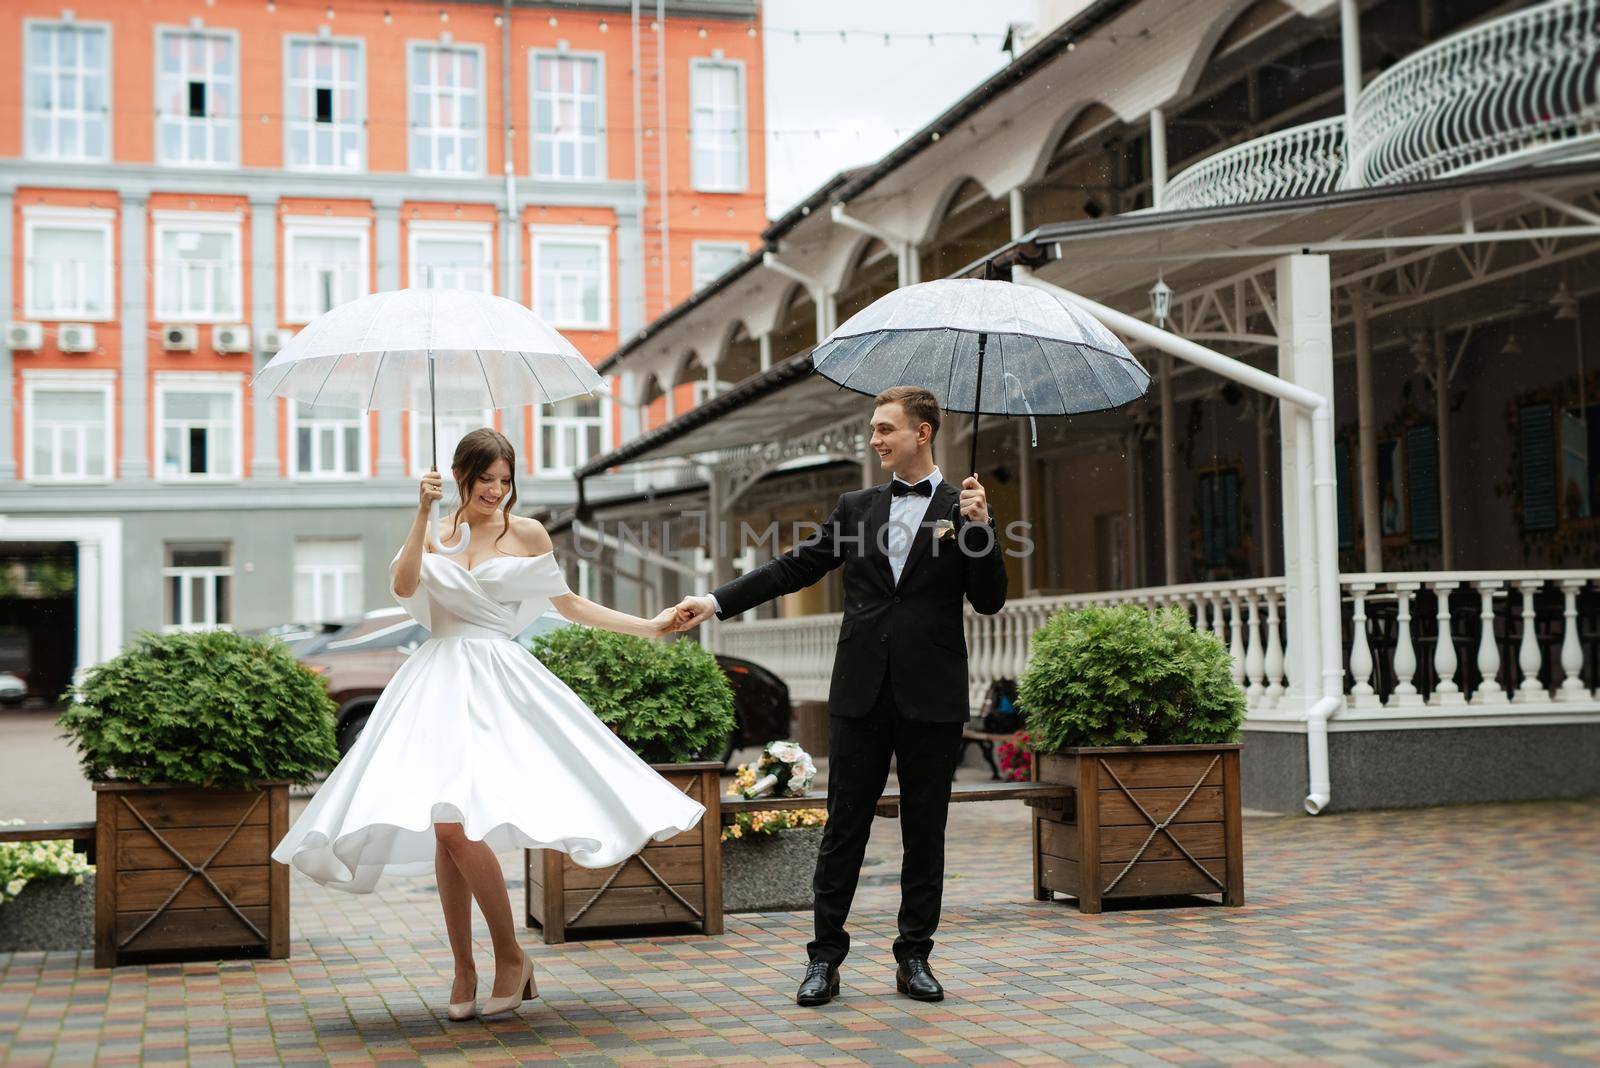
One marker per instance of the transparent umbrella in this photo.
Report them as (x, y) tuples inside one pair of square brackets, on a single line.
[(433, 350), (986, 347)]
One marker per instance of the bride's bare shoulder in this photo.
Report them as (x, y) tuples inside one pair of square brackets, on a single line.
[(531, 535)]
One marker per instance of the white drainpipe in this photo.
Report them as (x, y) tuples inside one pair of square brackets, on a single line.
[(1316, 415)]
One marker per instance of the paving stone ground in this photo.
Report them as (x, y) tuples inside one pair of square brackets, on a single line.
[(1460, 935)]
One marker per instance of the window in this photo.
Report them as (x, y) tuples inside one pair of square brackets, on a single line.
[(196, 579), (1220, 527), (446, 110), (567, 105), (68, 269), (196, 99), (452, 257), (716, 126), (570, 435), (453, 426), (1580, 477), (713, 259), (200, 426), (325, 265), (68, 91), (570, 276), (327, 580), (327, 442), (198, 276), (323, 88), (67, 424)]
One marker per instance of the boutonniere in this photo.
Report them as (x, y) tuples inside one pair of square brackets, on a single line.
[(944, 530)]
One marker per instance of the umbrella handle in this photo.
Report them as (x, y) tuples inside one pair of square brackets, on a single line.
[(433, 533)]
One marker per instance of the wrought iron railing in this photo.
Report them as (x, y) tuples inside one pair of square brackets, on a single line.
[(1300, 161), (1525, 84)]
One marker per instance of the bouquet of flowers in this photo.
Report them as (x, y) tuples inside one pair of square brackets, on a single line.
[(1016, 758), (784, 770), (769, 823)]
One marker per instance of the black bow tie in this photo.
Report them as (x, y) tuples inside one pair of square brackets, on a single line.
[(921, 489)]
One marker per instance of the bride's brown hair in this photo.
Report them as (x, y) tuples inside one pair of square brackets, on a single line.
[(475, 454)]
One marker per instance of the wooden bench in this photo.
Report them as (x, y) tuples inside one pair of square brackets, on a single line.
[(81, 833), (1031, 793)]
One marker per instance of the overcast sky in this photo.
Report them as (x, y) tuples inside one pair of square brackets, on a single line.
[(834, 103)]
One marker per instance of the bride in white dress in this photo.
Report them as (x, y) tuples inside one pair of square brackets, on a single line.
[(476, 747)]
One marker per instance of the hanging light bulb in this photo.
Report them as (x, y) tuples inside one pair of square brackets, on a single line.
[(604, 26), (388, 19), (751, 30), (1160, 301), (1511, 347), (1565, 304)]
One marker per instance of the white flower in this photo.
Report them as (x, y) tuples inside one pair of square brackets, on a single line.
[(62, 867), (14, 887), (788, 752)]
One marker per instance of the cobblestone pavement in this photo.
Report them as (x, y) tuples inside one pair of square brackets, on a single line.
[(1466, 935)]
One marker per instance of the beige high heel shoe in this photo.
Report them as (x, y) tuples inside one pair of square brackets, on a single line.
[(527, 990), (464, 1010)]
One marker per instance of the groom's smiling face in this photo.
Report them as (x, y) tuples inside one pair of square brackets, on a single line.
[(903, 448)]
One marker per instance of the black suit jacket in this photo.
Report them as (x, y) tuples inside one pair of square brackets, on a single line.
[(913, 630)]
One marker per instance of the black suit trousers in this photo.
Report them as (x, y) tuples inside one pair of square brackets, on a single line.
[(859, 750)]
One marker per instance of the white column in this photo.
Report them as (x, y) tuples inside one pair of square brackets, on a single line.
[(135, 318), (1350, 54), (89, 598), (8, 413), (765, 344), (263, 275), (1158, 158), (1305, 357), (391, 462), (1371, 530)]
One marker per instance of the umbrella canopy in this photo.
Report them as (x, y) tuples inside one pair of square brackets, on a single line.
[(1040, 356), (378, 352), (434, 350)]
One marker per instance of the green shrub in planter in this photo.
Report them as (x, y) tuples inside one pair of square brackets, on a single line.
[(213, 708), (669, 701), (1125, 675)]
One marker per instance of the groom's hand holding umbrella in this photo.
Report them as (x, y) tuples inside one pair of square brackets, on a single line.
[(974, 500)]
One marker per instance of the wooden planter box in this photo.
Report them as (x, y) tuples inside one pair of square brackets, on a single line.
[(186, 873), (1103, 841), (671, 882)]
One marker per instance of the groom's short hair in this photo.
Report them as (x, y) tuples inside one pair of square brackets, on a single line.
[(919, 404)]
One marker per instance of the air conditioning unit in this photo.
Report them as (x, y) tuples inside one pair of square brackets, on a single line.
[(179, 338), (274, 341), (24, 336), (234, 338), (76, 337)]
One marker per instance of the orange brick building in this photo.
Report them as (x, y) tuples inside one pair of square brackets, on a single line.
[(183, 184)]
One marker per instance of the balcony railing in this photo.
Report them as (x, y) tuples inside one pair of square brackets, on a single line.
[(1518, 641), (1522, 85), (1300, 161)]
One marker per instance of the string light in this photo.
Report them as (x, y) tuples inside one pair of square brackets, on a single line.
[(604, 26), (328, 14), (388, 19), (701, 33)]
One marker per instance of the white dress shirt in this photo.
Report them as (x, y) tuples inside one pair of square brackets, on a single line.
[(906, 514)]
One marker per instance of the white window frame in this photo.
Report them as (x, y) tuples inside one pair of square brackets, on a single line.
[(461, 133), (363, 446), (31, 151), (98, 220), (599, 60), (298, 226), (229, 224), (697, 247), (346, 577), (223, 127), (420, 230), (232, 386), (101, 382), (419, 450), (341, 124), (600, 238), (700, 182), (185, 606), (543, 418)]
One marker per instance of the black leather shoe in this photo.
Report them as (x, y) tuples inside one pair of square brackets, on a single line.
[(821, 984), (915, 980)]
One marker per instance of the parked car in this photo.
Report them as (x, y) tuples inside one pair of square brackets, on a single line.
[(12, 688), (359, 659)]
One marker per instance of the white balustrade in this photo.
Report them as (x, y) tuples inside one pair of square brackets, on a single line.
[(1362, 693), (1297, 162), (1490, 692), (1445, 691), (1508, 90)]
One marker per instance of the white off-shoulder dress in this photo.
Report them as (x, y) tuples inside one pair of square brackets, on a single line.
[(473, 729)]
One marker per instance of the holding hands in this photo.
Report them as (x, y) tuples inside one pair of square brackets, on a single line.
[(693, 611)]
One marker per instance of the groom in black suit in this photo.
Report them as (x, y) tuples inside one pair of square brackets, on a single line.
[(912, 549)]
